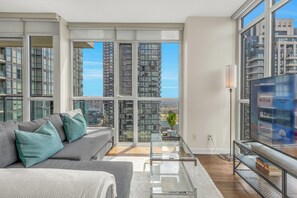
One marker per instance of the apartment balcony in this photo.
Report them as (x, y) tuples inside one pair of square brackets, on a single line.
[(292, 64), (255, 72), (291, 57), (254, 65), (255, 76), (256, 58), (291, 71)]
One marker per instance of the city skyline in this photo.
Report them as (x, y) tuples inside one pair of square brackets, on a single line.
[(93, 70)]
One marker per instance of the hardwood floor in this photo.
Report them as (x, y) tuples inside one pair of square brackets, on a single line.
[(129, 151), (231, 186)]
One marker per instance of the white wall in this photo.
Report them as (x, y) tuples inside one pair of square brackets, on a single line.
[(209, 45)]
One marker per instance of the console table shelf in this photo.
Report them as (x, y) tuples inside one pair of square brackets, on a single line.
[(244, 164), (258, 184)]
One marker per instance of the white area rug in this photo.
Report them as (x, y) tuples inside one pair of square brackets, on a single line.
[(140, 185)]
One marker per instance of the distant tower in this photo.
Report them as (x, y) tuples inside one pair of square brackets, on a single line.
[(42, 69), (11, 103), (108, 82), (285, 47), (149, 85), (77, 72)]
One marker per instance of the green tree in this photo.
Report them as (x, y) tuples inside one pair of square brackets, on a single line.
[(171, 119)]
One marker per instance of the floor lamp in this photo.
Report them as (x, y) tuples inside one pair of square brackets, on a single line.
[(231, 82)]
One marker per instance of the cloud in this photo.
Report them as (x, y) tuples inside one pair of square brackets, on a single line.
[(92, 63), (169, 78), (169, 87), (92, 74)]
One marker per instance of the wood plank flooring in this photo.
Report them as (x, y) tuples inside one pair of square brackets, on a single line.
[(231, 186), (129, 151)]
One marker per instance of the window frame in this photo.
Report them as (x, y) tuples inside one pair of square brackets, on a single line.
[(135, 98), (268, 45), (27, 75)]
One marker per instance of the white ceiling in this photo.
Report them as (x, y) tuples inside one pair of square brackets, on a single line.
[(125, 11)]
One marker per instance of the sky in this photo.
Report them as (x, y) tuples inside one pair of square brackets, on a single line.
[(93, 70), (287, 11)]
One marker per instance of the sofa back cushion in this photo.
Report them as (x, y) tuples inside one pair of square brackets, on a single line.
[(8, 152), (37, 146), (55, 119)]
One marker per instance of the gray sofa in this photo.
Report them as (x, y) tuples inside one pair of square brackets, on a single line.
[(78, 155)]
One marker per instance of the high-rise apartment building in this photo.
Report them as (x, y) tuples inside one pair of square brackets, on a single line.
[(125, 89), (77, 72), (285, 47), (108, 83), (42, 65), (149, 85), (11, 105)]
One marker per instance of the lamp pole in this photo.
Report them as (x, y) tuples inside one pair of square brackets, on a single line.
[(231, 82), (230, 91)]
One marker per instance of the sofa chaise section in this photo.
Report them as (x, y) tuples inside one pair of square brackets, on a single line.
[(88, 147), (122, 171)]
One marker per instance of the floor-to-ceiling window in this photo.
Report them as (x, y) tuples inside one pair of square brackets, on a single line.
[(129, 85), (93, 81), (260, 56), (41, 76), (158, 87)]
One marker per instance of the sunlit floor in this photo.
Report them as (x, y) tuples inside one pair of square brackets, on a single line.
[(130, 151)]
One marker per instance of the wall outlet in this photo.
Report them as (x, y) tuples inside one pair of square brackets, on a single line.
[(209, 137)]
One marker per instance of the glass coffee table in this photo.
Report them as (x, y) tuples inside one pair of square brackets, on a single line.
[(169, 175)]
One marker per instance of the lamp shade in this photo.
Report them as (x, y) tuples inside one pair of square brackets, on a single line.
[(231, 76)]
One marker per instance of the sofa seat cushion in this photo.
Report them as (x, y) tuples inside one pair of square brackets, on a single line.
[(35, 124), (86, 147), (8, 151), (122, 171)]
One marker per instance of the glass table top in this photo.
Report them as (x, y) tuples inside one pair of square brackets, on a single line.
[(168, 178), (169, 149)]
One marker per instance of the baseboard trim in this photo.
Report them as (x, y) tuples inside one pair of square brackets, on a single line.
[(209, 151)]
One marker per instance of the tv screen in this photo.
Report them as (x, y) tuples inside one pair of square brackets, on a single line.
[(273, 112)]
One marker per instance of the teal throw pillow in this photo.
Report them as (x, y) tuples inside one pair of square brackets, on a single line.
[(37, 146), (75, 127)]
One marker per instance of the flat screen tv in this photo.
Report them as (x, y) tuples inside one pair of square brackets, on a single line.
[(273, 112)]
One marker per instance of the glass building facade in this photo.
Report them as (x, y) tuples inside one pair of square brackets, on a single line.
[(11, 102)]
